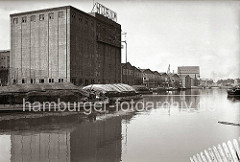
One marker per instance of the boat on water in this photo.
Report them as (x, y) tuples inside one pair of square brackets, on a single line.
[(141, 89), (182, 88), (171, 89), (24, 96), (234, 91), (113, 92), (67, 92)]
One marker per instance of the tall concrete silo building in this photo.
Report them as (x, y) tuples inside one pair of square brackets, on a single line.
[(65, 44)]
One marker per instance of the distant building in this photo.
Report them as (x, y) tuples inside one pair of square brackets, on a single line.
[(192, 71), (4, 66), (131, 75), (186, 81), (208, 82), (224, 82), (4, 59), (176, 80), (127, 73), (157, 78), (64, 44), (163, 79), (148, 78), (137, 76)]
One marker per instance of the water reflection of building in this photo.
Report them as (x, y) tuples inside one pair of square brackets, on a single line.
[(41, 147), (183, 100), (190, 99), (193, 73), (99, 141), (88, 141)]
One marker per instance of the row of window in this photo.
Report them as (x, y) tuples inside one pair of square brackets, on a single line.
[(81, 19), (3, 58), (90, 81), (40, 81), (41, 17), (50, 16), (61, 80)]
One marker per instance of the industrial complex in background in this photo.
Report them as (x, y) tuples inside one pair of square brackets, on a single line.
[(65, 44)]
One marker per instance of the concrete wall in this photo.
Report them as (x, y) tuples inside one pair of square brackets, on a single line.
[(40, 48), (95, 57), (108, 64), (74, 47), (53, 147), (82, 47)]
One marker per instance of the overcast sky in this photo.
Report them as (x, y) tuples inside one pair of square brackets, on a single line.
[(203, 33)]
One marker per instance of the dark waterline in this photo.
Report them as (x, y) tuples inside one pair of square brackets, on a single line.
[(159, 134)]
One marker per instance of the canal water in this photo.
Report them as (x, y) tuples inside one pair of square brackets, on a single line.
[(173, 128)]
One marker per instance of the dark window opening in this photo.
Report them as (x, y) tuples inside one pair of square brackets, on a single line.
[(51, 80), (41, 80), (41, 17), (24, 19), (73, 15), (60, 80), (32, 81), (51, 16), (86, 82), (80, 81), (73, 81), (23, 81)]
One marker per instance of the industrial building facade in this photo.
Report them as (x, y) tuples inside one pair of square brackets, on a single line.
[(135, 76), (4, 67), (64, 44), (192, 71), (189, 72)]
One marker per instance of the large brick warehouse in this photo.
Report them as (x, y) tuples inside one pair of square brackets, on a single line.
[(64, 44)]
